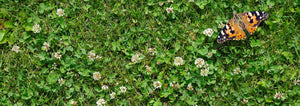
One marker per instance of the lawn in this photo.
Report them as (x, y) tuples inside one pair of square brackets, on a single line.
[(86, 52)]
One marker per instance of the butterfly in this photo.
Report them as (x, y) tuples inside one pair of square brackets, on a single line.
[(233, 30)]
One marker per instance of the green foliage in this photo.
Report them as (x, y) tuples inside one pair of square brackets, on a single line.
[(122, 35)]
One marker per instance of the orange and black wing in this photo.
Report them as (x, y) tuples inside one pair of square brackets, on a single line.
[(252, 19), (231, 31)]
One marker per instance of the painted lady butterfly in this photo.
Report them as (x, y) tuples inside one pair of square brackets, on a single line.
[(233, 30)]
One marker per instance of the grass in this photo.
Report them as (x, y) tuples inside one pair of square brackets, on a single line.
[(118, 30)]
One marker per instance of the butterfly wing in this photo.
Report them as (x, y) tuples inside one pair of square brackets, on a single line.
[(231, 31), (252, 19)]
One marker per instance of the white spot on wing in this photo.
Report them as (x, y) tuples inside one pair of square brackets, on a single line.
[(222, 32), (257, 13), (249, 13), (227, 26)]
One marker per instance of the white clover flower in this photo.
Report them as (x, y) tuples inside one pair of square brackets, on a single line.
[(209, 54), (245, 101), (237, 71), (204, 72), (278, 95), (96, 75), (169, 10), (199, 62), (61, 81), (170, 1), (123, 89), (36, 28), (157, 84), (152, 51), (190, 87), (191, 0), (104, 87), (57, 55), (200, 91), (60, 12), (100, 102), (148, 69), (16, 49), (112, 95), (296, 82), (135, 58), (54, 66), (208, 32), (46, 46), (161, 3), (221, 25), (206, 66), (92, 55), (178, 61)]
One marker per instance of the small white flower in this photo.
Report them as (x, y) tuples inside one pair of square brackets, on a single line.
[(204, 72), (100, 102), (123, 89), (16, 49), (221, 25), (46, 46), (170, 1), (208, 32), (237, 71), (152, 51), (245, 101), (200, 91), (36, 28), (190, 87), (209, 54), (171, 84), (112, 95), (199, 62), (60, 12), (61, 81), (169, 10), (157, 84), (57, 55), (278, 95), (206, 66), (296, 82), (104, 87), (92, 55), (54, 66), (148, 69), (161, 3), (96, 75), (191, 0), (135, 58), (178, 61)]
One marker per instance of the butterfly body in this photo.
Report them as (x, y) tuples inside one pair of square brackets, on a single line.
[(249, 21)]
